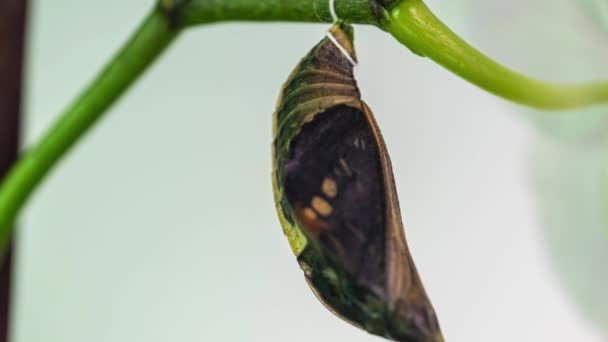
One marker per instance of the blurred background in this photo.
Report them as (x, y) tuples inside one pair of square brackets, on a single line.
[(160, 226)]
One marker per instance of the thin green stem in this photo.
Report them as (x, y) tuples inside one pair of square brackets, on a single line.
[(414, 25), (152, 37)]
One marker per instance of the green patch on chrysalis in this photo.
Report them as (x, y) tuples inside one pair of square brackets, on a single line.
[(297, 240)]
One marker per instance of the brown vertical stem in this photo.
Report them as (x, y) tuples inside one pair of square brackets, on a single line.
[(12, 34)]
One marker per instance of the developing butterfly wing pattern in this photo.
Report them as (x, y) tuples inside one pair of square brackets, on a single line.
[(331, 182), (337, 201)]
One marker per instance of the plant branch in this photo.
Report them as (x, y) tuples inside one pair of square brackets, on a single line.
[(196, 12), (153, 36), (410, 21), (415, 26)]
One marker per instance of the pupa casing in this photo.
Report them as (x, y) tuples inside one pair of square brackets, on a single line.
[(336, 199)]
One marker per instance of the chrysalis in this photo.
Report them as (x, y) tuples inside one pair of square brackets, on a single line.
[(336, 199)]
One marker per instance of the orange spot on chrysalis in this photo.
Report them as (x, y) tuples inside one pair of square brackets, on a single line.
[(329, 187), (321, 206), (310, 221)]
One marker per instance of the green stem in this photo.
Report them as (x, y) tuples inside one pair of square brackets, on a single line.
[(410, 21), (196, 12), (152, 37), (414, 25)]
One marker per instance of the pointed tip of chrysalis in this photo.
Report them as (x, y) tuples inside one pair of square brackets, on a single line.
[(344, 35), (415, 320)]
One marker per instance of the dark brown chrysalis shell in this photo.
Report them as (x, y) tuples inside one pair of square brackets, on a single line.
[(337, 202)]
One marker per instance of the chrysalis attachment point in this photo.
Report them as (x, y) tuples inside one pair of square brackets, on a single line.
[(332, 38), (341, 48)]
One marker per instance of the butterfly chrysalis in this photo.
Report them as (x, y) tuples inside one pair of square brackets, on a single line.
[(336, 199)]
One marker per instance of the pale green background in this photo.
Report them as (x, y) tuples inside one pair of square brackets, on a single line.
[(160, 226)]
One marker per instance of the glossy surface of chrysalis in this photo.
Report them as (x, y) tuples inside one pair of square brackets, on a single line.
[(337, 203)]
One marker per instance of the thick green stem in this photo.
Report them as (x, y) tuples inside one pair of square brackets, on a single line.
[(195, 12), (146, 45), (415, 26)]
